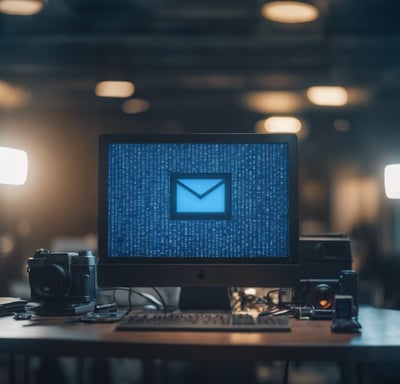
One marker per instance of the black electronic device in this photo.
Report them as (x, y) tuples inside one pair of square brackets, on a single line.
[(319, 294), (198, 210), (324, 256), (343, 308), (348, 280), (63, 282), (11, 305), (343, 317)]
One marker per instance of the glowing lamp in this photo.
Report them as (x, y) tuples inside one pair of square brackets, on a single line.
[(21, 7), (328, 96), (290, 12), (392, 181), (282, 124), (13, 166), (119, 89)]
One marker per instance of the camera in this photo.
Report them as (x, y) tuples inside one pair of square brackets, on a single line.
[(63, 279), (317, 296)]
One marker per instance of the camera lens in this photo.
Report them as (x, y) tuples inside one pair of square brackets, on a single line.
[(323, 296), (49, 282)]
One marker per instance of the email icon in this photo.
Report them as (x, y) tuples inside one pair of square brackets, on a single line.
[(200, 196)]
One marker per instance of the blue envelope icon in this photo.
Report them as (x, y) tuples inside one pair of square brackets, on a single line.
[(200, 196)]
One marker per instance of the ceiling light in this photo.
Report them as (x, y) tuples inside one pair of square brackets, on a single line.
[(392, 181), (21, 7), (135, 106), (282, 124), (290, 12), (328, 96), (120, 89), (273, 101), (13, 166)]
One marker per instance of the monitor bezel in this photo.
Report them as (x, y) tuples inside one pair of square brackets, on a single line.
[(191, 271)]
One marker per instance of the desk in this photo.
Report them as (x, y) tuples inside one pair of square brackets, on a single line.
[(308, 340)]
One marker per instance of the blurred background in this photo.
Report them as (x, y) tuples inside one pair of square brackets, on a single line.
[(201, 66)]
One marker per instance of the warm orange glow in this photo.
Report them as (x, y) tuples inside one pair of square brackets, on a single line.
[(21, 7), (12, 97), (135, 106), (355, 200), (273, 101), (120, 89), (290, 12), (282, 124), (328, 96), (7, 243), (342, 125), (271, 125), (324, 303)]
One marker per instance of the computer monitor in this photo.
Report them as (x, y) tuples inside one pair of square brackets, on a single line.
[(198, 210)]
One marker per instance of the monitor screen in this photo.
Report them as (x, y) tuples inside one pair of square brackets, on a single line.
[(197, 209)]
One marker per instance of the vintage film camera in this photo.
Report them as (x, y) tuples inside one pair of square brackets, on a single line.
[(317, 296), (63, 283)]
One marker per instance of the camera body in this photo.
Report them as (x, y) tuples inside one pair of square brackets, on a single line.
[(62, 278), (317, 296)]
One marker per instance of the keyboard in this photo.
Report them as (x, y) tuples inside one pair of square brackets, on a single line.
[(201, 321)]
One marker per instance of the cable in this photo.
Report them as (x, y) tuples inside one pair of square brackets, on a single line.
[(280, 292), (266, 305), (130, 299), (164, 306), (131, 291), (245, 301)]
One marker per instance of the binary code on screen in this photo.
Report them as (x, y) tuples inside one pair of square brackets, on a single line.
[(140, 220)]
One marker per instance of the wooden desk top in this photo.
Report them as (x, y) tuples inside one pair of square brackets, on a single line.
[(308, 340)]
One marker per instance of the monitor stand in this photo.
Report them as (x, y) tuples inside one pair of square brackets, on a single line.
[(204, 298)]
